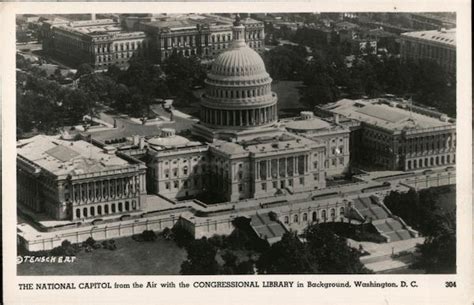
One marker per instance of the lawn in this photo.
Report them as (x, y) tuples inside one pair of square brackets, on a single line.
[(160, 257)]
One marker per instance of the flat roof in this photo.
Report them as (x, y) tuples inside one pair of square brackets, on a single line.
[(447, 37), (62, 157), (377, 112)]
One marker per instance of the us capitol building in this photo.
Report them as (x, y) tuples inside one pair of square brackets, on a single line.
[(239, 154), (247, 153)]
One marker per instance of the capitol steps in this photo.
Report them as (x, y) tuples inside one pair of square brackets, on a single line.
[(390, 227)]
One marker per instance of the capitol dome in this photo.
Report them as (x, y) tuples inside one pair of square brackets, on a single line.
[(238, 88)]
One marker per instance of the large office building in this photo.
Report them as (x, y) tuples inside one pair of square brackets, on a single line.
[(202, 35), (436, 45), (105, 42), (394, 134), (100, 43), (72, 180)]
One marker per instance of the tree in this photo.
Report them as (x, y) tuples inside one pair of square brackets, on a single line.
[(201, 258), (285, 62), (418, 209), (332, 253), (288, 256), (84, 69), (438, 252)]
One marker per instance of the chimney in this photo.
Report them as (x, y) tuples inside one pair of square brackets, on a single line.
[(142, 143), (336, 118)]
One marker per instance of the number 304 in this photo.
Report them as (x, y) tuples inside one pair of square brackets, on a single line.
[(450, 284)]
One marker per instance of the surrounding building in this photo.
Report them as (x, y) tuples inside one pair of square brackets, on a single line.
[(105, 42), (436, 45), (201, 35), (100, 43), (73, 180), (394, 134)]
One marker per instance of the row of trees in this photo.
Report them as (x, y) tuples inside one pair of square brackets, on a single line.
[(328, 76), (421, 210), (322, 252), (44, 105)]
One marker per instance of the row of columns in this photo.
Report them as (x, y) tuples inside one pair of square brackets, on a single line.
[(113, 188), (104, 209), (324, 214), (239, 93), (431, 161), (187, 40), (239, 118), (436, 143), (282, 167)]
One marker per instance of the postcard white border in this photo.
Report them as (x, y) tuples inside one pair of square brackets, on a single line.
[(432, 289)]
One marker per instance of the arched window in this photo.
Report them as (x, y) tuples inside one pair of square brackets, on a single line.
[(127, 206), (92, 211), (99, 210), (78, 213), (287, 219), (106, 209), (315, 216), (323, 214), (333, 212), (295, 218), (305, 217), (341, 211), (120, 207), (84, 212), (134, 204), (113, 207), (185, 170)]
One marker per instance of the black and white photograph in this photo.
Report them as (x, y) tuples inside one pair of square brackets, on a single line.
[(236, 143), (239, 153)]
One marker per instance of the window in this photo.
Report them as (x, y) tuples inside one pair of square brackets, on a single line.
[(176, 184), (175, 172), (274, 184), (185, 184), (167, 185), (240, 187), (287, 219), (333, 162), (305, 217), (185, 170), (295, 218), (264, 186), (315, 177), (315, 164), (290, 182), (167, 173), (341, 161), (240, 175), (302, 180)]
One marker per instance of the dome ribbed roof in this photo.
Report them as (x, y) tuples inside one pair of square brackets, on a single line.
[(238, 61)]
